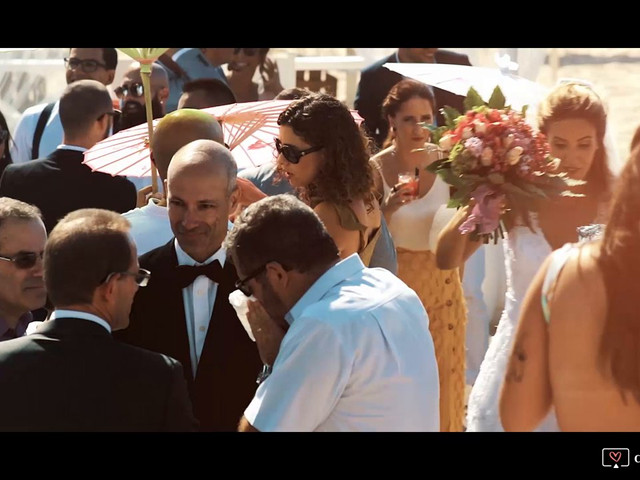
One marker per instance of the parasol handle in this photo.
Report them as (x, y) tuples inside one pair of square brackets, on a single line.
[(145, 73)]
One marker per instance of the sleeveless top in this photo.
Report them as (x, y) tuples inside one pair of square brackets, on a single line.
[(410, 225), (349, 221), (558, 260)]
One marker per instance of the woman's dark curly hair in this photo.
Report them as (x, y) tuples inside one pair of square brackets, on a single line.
[(345, 175)]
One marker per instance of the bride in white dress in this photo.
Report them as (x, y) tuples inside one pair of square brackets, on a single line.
[(574, 119)]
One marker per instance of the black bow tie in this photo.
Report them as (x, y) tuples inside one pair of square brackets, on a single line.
[(186, 274)]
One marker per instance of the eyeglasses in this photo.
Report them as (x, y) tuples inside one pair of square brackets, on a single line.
[(135, 90), (291, 153), (4, 134), (24, 260), (112, 114), (87, 66), (242, 284), (249, 52), (141, 277)]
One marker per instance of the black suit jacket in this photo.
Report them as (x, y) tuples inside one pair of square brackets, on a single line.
[(61, 183), (376, 81), (72, 376), (225, 381)]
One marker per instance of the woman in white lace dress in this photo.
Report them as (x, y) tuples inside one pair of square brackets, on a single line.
[(574, 119)]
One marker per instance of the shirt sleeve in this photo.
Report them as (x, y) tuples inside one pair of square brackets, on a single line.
[(308, 378)]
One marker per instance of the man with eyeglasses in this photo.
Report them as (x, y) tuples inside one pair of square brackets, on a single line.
[(185, 312), (22, 241), (39, 130), (349, 347), (70, 374), (61, 183)]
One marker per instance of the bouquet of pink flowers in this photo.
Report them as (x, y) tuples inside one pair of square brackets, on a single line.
[(495, 158)]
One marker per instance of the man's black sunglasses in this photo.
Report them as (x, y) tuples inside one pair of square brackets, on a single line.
[(23, 260), (242, 284), (141, 277), (135, 90), (293, 154), (87, 66)]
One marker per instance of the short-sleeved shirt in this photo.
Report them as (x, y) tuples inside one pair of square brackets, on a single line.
[(196, 66), (358, 356)]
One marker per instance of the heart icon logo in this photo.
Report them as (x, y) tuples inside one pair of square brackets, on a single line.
[(615, 456)]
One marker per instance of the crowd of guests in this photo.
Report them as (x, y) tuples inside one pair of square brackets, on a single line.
[(115, 302)]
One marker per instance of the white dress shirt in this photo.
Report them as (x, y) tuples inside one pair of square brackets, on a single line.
[(199, 299), (150, 226), (61, 313), (358, 356), (26, 127)]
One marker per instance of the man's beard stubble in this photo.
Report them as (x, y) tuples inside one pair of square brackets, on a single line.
[(133, 113)]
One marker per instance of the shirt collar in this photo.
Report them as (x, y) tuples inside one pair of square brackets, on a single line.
[(21, 326), (341, 270), (185, 259), (64, 146), (61, 313)]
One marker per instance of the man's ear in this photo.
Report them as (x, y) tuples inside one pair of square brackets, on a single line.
[(234, 198), (111, 76)]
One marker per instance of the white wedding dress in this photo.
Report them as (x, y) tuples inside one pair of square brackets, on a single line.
[(524, 252)]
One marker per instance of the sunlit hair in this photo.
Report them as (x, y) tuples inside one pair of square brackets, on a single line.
[(577, 101), (400, 93), (345, 174), (620, 263)]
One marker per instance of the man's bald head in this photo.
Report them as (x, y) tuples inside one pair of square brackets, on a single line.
[(159, 77), (201, 158), (177, 129)]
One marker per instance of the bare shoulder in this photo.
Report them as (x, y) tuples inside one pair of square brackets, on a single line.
[(327, 213), (580, 287)]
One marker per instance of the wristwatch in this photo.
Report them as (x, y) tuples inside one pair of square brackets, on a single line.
[(262, 376)]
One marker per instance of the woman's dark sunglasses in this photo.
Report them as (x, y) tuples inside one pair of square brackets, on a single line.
[(87, 66), (4, 134), (23, 260), (135, 90), (293, 154)]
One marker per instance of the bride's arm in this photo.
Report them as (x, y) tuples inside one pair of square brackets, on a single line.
[(454, 248)]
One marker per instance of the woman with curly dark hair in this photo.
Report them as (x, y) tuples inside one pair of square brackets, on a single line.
[(410, 215), (324, 155)]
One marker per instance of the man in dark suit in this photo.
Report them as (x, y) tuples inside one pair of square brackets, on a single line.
[(376, 81), (71, 375), (22, 240), (185, 312), (61, 183)]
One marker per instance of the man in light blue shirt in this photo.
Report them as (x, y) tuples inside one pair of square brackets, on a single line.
[(197, 63), (345, 347)]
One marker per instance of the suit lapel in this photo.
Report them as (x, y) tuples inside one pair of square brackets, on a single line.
[(165, 298), (221, 321)]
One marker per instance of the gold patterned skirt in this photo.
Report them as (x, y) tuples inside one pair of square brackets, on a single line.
[(441, 294)]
